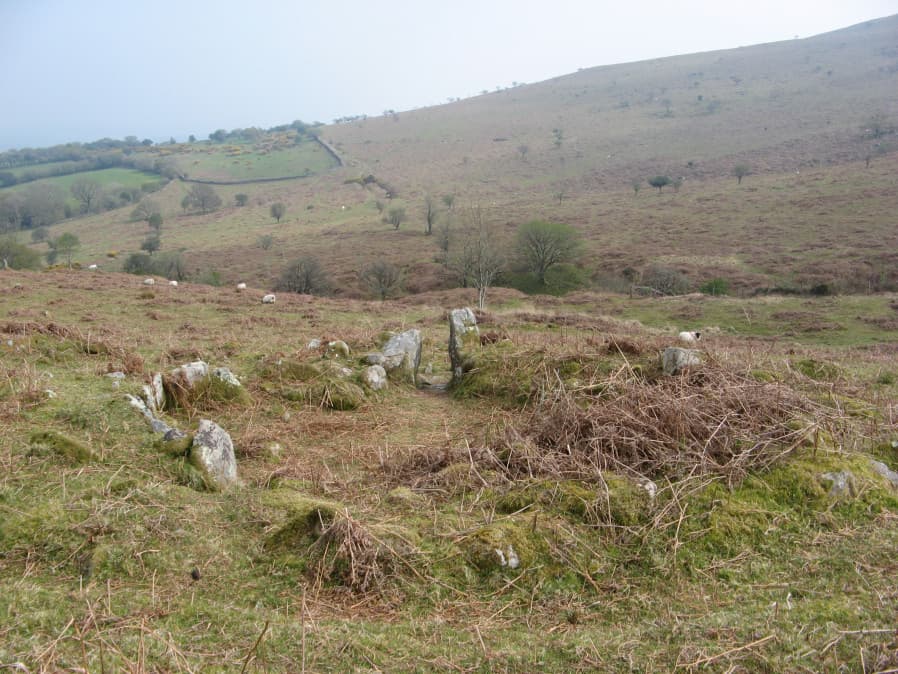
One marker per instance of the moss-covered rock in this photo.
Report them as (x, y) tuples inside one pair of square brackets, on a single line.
[(503, 546), (71, 449)]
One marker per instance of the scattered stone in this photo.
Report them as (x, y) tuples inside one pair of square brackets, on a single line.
[(345, 372), (881, 469), (375, 359), (842, 484), (118, 375), (50, 393), (314, 344), (212, 454), (274, 450), (225, 375), (157, 425), (402, 355), (375, 377), (268, 299), (674, 360), (149, 282), (650, 488), (464, 336), (337, 348), (191, 373)]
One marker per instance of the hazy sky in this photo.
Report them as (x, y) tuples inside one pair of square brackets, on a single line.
[(82, 70)]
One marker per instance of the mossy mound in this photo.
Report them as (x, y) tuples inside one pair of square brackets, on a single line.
[(208, 392), (335, 394), (306, 520), (62, 445), (323, 383), (509, 545), (788, 499), (618, 501), (817, 370)]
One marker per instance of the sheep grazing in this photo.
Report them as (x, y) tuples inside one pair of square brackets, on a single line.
[(268, 299), (174, 284), (689, 337), (241, 286), (93, 267), (149, 282)]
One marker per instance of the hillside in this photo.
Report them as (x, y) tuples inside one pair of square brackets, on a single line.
[(811, 120)]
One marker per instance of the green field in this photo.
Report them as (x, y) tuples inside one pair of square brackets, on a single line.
[(245, 162), (118, 177)]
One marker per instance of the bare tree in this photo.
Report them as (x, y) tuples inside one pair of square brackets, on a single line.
[(484, 254), (85, 191), (430, 214), (382, 278), (145, 210)]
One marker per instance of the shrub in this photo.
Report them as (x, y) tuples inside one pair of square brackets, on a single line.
[(665, 280), (16, 255), (305, 275), (716, 286)]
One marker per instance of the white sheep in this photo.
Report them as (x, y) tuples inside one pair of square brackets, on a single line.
[(173, 284), (149, 282), (241, 286), (268, 299), (93, 267), (689, 337)]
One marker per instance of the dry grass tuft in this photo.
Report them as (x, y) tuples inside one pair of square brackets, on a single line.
[(712, 421), (351, 554)]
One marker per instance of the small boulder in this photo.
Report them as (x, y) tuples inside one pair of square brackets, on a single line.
[(314, 344), (375, 377), (674, 359), (225, 375), (881, 469), (191, 373), (842, 484), (402, 355), (464, 337), (212, 454), (337, 349)]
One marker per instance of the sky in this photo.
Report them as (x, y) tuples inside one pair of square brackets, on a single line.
[(79, 71)]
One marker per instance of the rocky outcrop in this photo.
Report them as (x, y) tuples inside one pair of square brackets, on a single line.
[(464, 338)]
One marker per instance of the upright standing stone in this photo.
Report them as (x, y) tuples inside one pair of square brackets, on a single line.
[(464, 337), (212, 454), (402, 355)]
